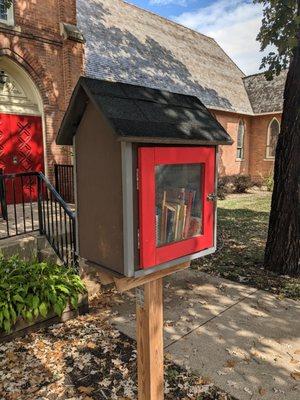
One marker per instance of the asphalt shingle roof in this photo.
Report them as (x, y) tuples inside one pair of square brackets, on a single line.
[(139, 113), (265, 96)]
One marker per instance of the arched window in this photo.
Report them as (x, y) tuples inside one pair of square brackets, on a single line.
[(273, 132), (240, 141)]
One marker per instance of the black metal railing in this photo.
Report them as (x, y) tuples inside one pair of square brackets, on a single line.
[(30, 203), (18, 199), (3, 207), (64, 181), (57, 222)]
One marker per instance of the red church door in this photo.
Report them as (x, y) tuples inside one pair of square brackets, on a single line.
[(21, 150)]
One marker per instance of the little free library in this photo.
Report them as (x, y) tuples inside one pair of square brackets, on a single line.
[(145, 178)]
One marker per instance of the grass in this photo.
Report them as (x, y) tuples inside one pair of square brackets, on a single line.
[(242, 232)]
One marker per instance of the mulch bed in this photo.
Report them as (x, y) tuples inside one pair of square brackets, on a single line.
[(86, 359)]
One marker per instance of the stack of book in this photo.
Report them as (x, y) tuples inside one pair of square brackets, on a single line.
[(174, 219)]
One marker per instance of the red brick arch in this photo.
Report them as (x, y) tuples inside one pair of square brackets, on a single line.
[(35, 70)]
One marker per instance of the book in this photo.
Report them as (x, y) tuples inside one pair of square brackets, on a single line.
[(170, 223), (163, 219), (174, 220), (190, 201)]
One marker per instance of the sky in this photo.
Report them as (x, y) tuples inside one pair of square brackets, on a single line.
[(234, 24)]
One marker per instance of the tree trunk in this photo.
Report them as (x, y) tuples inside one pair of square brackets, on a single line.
[(282, 254)]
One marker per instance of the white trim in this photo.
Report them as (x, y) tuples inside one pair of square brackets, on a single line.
[(272, 159), (267, 113), (128, 212), (268, 157), (177, 261), (10, 16), (212, 108)]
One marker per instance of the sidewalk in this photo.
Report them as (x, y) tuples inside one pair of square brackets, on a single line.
[(245, 340)]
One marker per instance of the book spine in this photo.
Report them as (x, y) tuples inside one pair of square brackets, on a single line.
[(188, 213)]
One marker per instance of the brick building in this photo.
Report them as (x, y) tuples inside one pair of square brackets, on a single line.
[(128, 44), (42, 55), (41, 58)]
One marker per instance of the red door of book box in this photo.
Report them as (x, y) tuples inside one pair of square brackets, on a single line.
[(176, 216)]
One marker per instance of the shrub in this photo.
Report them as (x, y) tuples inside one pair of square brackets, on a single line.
[(233, 184), (269, 182), (31, 289), (242, 183)]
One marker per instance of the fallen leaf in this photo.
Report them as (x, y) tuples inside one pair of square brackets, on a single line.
[(296, 375), (262, 391), (230, 363), (86, 389), (203, 380), (91, 345)]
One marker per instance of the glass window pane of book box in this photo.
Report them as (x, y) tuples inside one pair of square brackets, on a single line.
[(178, 202)]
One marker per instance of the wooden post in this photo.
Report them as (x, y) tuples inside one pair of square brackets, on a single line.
[(150, 352)]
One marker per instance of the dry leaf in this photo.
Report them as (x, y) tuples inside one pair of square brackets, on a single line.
[(262, 391), (91, 345), (230, 363), (86, 389), (296, 375), (203, 380)]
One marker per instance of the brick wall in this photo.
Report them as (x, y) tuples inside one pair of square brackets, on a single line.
[(260, 165), (228, 162), (53, 63), (255, 162)]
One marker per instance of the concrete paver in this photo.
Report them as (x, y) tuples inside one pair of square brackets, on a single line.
[(246, 341), (190, 299)]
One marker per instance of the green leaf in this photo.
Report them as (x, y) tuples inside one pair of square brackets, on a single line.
[(29, 316), (6, 313), (74, 301), (63, 289), (43, 309), (36, 312), (58, 309), (13, 314), (18, 298), (6, 325), (35, 302)]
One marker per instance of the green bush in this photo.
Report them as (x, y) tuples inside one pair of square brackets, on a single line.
[(32, 289)]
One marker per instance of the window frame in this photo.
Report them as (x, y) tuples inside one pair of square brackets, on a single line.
[(10, 20), (240, 156), (148, 157), (268, 146)]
